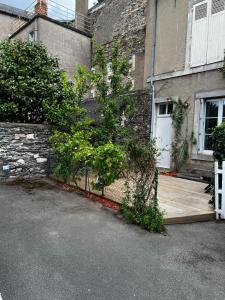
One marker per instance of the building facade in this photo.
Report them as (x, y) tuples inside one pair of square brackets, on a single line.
[(64, 32), (185, 45)]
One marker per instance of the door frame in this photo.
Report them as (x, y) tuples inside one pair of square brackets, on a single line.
[(156, 114)]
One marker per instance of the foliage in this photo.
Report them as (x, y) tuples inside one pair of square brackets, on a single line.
[(28, 77), (74, 151), (86, 145), (108, 164), (113, 86), (106, 147), (218, 142), (151, 217), (66, 113), (140, 203), (218, 147), (180, 146), (210, 189)]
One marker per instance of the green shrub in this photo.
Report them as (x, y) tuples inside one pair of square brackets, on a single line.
[(150, 218), (218, 142), (28, 77), (218, 147), (107, 164)]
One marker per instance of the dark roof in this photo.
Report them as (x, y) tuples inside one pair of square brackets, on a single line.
[(13, 11)]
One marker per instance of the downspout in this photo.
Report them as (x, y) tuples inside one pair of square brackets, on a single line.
[(36, 31), (152, 63)]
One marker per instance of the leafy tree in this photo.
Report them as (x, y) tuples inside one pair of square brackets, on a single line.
[(28, 77), (111, 79), (66, 113), (105, 157), (106, 147)]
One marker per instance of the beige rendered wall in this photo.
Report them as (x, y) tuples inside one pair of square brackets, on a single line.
[(70, 47), (6, 25), (171, 33), (24, 33), (186, 87)]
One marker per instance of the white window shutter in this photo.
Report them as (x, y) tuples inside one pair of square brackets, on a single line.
[(216, 35), (199, 34)]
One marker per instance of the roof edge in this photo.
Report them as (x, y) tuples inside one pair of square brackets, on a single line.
[(89, 35)]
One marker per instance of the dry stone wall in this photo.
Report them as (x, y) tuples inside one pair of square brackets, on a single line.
[(24, 151)]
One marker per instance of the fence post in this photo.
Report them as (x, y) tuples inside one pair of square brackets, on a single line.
[(220, 190), (86, 179)]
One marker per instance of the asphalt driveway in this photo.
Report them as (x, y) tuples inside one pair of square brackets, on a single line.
[(56, 245)]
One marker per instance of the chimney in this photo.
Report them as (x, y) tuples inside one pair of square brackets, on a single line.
[(82, 7), (41, 7)]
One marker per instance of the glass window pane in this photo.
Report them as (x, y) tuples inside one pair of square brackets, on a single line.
[(162, 109), (220, 201), (220, 181), (208, 142), (212, 108), (170, 109), (210, 124)]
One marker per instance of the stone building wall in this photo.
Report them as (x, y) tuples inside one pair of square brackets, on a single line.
[(125, 19), (23, 151)]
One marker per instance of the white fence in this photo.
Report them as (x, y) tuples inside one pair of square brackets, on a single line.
[(220, 190)]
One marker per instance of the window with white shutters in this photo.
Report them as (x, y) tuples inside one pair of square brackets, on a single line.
[(199, 34), (208, 32), (216, 35)]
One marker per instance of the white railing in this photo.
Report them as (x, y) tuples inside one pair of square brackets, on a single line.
[(220, 190), (58, 12)]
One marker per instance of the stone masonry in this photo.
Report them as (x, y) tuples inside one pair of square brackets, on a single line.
[(125, 19), (23, 151)]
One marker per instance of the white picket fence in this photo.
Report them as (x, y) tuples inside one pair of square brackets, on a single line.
[(220, 190)]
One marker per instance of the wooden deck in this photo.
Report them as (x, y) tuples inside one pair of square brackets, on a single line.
[(184, 201)]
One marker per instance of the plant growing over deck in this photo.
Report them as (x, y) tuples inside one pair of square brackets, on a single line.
[(107, 147), (180, 145)]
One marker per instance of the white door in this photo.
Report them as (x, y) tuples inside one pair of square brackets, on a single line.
[(164, 134)]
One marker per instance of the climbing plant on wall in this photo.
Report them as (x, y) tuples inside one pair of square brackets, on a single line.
[(180, 145)]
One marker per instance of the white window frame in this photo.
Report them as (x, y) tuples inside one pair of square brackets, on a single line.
[(203, 122), (208, 17), (166, 115)]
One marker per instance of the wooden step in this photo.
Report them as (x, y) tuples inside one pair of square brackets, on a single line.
[(191, 219)]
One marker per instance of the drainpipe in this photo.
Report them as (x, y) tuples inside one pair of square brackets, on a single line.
[(152, 63)]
